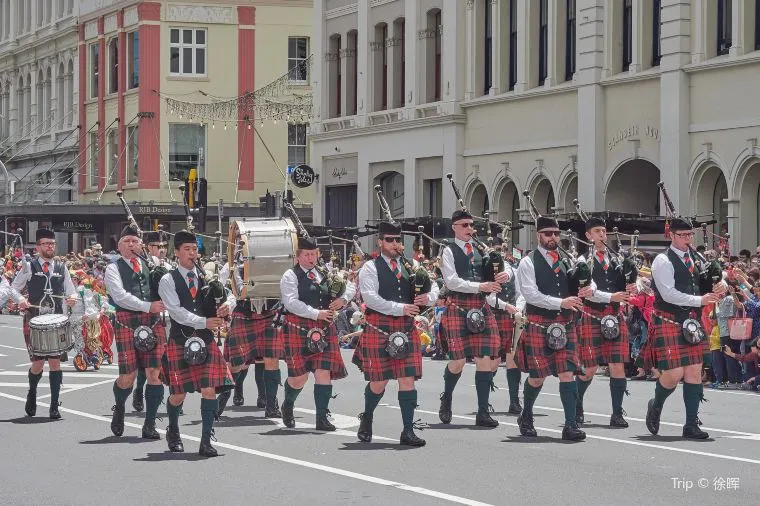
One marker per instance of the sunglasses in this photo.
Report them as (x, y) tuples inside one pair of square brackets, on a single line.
[(550, 233), (392, 239)]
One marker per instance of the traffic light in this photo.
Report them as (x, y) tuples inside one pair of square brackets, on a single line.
[(191, 188)]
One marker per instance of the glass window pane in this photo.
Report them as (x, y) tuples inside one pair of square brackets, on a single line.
[(200, 36), (292, 134), (174, 60), (187, 36), (291, 47), (200, 61), (174, 36), (187, 60), (301, 48), (291, 155)]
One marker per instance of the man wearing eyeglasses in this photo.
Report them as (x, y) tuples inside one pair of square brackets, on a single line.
[(543, 280), (461, 267), (677, 297), (35, 277)]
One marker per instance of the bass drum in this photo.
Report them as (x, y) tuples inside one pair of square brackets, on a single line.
[(260, 250)]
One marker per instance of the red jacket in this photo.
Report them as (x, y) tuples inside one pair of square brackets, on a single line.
[(645, 304)]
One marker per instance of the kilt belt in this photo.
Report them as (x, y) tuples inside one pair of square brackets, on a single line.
[(130, 359), (666, 348), (593, 348), (371, 357)]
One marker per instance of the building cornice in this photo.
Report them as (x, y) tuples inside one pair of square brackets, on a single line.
[(723, 62), (434, 121)]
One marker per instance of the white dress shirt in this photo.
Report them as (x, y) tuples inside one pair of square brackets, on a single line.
[(526, 279), (116, 290), (369, 285), (23, 277), (289, 293), (664, 277), (168, 293), (599, 296), (449, 271)]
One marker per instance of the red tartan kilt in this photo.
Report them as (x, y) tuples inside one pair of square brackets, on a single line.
[(297, 355), (506, 326), (130, 360), (372, 359), (461, 342), (28, 340), (666, 348), (538, 360), (184, 378), (593, 349), (252, 338)]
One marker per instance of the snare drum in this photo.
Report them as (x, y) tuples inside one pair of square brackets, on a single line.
[(265, 248), (50, 335)]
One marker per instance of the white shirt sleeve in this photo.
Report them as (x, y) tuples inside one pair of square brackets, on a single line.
[(168, 293), (664, 277), (433, 293), (526, 278), (69, 290), (350, 291), (21, 280), (453, 282), (289, 296), (120, 296), (599, 296), (369, 286)]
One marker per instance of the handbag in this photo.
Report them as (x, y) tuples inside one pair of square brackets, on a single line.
[(740, 329)]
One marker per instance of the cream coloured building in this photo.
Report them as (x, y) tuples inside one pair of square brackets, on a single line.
[(588, 99)]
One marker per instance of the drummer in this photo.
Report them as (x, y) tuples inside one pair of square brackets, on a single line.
[(34, 277)]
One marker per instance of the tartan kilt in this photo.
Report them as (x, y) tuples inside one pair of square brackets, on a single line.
[(184, 379), (593, 349), (506, 325), (130, 360), (297, 355), (666, 348), (372, 359), (461, 343), (538, 360), (252, 338), (28, 340)]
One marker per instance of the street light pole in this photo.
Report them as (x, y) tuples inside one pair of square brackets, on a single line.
[(7, 183)]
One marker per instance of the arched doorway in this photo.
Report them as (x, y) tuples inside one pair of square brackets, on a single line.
[(478, 203), (747, 190), (633, 189), (709, 193), (543, 195), (509, 203), (571, 193), (392, 184)]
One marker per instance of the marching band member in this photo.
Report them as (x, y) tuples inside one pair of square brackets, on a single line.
[(385, 287), (543, 283), (128, 285), (461, 268), (180, 292), (308, 329), (34, 277)]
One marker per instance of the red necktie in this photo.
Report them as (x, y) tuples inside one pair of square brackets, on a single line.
[(394, 268), (135, 265), (191, 284), (687, 261), (46, 267), (602, 259), (555, 260), (468, 251), (311, 276)]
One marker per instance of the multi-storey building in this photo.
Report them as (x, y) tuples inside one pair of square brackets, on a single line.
[(586, 99)]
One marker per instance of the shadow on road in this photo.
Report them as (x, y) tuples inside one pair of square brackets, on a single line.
[(170, 456), (537, 440), (29, 420), (670, 439), (376, 446), (241, 421), (117, 439)]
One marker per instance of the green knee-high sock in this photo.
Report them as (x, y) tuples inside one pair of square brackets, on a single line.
[(239, 381), (530, 394), (322, 394), (141, 379), (173, 412), (407, 401), (154, 394), (617, 391), (291, 394), (371, 400), (692, 394), (568, 393), (513, 383), (449, 382), (120, 395), (34, 380), (581, 386), (55, 378), (258, 373), (660, 394), (209, 408), (271, 384), (483, 388)]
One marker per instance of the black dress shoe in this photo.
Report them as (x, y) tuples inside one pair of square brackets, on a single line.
[(444, 412), (117, 420), (617, 420), (580, 419), (150, 432), (137, 401), (692, 431), (525, 423), (483, 419), (365, 428), (653, 418), (323, 423), (273, 411), (222, 398), (54, 413), (572, 433), (287, 416), (237, 398), (261, 401), (205, 449), (409, 438), (515, 408), (174, 441), (31, 403)]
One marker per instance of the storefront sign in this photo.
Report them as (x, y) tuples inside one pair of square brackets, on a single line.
[(302, 176), (154, 210), (632, 132), (73, 226), (340, 171)]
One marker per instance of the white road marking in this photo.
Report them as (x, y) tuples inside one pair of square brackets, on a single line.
[(45, 373), (67, 365), (12, 347), (24, 384), (1, 355), (340, 421), (73, 388), (614, 440), (288, 460)]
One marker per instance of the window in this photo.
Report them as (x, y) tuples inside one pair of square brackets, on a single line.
[(94, 69), (133, 60), (132, 153), (543, 41), (512, 44), (757, 24), (724, 26), (94, 155), (113, 65), (187, 52), (487, 78), (384, 40), (627, 34), (296, 144), (438, 25), (656, 30), (113, 157), (298, 54), (187, 143), (570, 41), (432, 197)]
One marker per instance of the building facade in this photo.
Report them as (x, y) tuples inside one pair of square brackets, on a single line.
[(585, 99)]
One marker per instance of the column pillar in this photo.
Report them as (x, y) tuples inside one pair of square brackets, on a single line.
[(103, 72), (412, 46), (343, 61), (363, 67), (499, 30), (82, 71), (637, 41), (412, 204), (246, 83), (471, 49), (121, 88), (523, 46), (13, 106), (363, 188), (33, 125), (149, 163), (318, 75), (35, 14), (453, 56)]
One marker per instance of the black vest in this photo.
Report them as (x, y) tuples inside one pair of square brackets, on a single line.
[(685, 281), (36, 284), (311, 293), (391, 288), (180, 332), (606, 281), (466, 270), (134, 283), (549, 283)]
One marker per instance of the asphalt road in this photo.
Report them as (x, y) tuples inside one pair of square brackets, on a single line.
[(76, 460)]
